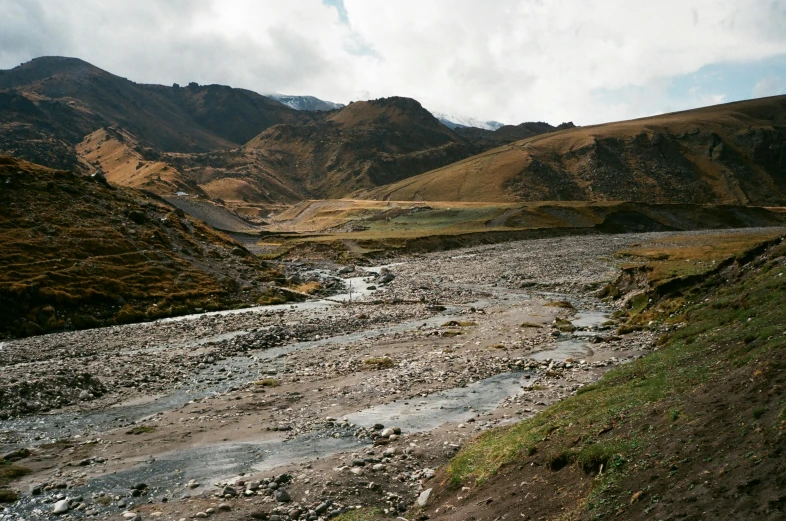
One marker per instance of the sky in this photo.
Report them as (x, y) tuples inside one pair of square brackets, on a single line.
[(586, 61)]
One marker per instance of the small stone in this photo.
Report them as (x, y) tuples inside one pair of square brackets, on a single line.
[(200, 515), (229, 491), (378, 467), (424, 497), (272, 485), (224, 507), (61, 507), (282, 496)]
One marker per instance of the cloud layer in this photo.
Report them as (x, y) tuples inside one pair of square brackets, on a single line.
[(509, 60)]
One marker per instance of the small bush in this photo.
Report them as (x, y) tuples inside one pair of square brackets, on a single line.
[(141, 429), (8, 496), (380, 363), (9, 472)]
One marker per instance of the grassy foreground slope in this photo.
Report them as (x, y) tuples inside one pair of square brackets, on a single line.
[(77, 252), (694, 430), (732, 153)]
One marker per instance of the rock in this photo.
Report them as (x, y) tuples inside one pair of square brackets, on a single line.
[(390, 431), (200, 515), (282, 496), (346, 269), (322, 508), (224, 507), (229, 491), (378, 427), (378, 467), (61, 507), (85, 395), (272, 485), (424, 497), (239, 251)]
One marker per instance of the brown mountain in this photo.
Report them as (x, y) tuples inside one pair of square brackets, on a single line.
[(731, 153), (363, 145), (66, 99), (78, 252), (488, 139)]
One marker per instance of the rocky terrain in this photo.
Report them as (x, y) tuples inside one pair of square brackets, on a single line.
[(310, 410)]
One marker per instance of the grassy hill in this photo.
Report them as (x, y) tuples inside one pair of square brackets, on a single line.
[(694, 430), (78, 252), (732, 153)]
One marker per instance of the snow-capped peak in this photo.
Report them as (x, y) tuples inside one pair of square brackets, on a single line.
[(455, 121), (307, 103)]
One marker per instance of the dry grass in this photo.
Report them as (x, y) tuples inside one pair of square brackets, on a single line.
[(379, 363), (492, 175), (693, 254)]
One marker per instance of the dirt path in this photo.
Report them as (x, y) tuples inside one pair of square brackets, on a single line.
[(276, 413)]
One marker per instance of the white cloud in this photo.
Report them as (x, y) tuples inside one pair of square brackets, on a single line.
[(508, 60), (769, 86)]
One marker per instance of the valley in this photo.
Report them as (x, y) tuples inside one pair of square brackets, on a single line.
[(452, 346), (226, 305)]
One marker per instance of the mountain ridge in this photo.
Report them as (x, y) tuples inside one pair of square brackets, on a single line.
[(730, 153)]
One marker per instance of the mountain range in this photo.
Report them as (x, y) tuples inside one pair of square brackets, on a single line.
[(251, 153)]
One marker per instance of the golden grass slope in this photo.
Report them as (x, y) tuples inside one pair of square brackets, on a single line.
[(78, 252), (114, 151), (732, 153)]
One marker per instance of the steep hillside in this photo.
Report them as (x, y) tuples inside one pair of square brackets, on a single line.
[(363, 145), (78, 252), (72, 98), (115, 152), (732, 153)]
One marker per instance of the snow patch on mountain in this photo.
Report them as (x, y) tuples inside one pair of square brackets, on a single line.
[(455, 121), (307, 103)]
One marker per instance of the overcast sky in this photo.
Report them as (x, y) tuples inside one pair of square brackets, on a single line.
[(586, 61)]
